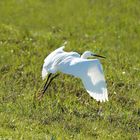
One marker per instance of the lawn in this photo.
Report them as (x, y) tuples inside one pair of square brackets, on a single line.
[(30, 30)]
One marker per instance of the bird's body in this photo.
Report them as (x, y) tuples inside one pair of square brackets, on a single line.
[(88, 70)]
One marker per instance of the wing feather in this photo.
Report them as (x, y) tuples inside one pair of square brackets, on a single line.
[(91, 73), (94, 81)]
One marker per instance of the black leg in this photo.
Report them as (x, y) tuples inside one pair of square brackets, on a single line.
[(43, 88), (47, 80), (49, 83)]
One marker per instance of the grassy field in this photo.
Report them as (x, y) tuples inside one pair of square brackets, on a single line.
[(31, 29)]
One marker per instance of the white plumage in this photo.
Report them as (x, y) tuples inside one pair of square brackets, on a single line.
[(88, 70)]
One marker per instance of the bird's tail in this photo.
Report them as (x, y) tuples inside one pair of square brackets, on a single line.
[(44, 73)]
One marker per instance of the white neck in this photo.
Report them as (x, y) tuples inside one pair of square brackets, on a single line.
[(85, 55)]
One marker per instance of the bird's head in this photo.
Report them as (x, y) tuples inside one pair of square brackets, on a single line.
[(87, 54)]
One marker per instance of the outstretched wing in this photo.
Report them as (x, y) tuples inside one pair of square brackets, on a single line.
[(94, 81), (91, 73)]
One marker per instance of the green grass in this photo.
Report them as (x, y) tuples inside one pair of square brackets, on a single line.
[(31, 29)]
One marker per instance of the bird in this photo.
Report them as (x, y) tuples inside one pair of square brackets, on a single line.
[(90, 71)]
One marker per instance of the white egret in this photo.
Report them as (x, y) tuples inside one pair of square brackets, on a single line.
[(88, 70)]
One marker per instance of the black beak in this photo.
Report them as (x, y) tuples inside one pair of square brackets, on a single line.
[(98, 56)]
